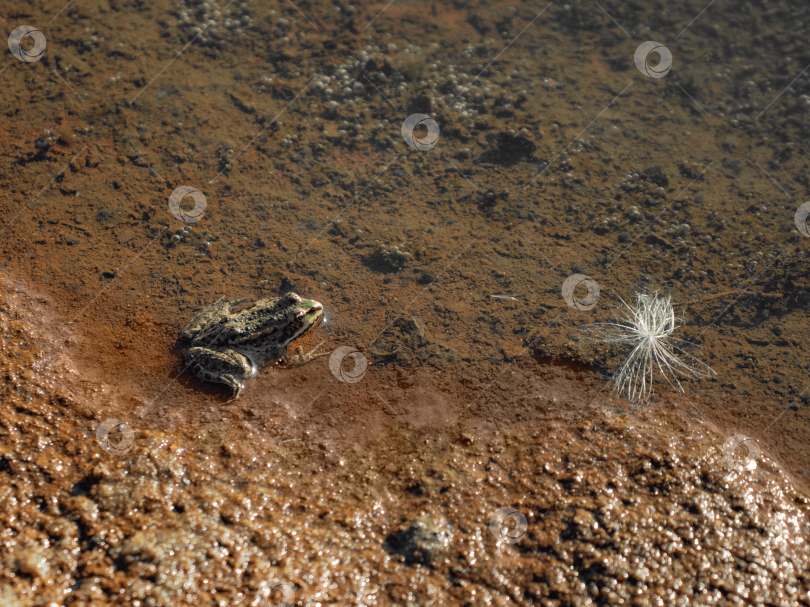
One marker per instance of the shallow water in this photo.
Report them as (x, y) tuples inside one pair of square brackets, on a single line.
[(557, 155)]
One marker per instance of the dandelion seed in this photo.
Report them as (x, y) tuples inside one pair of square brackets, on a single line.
[(648, 329)]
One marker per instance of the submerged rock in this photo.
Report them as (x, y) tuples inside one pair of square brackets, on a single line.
[(424, 540)]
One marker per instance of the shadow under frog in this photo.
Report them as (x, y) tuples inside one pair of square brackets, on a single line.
[(230, 341)]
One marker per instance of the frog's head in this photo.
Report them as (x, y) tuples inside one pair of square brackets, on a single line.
[(302, 315)]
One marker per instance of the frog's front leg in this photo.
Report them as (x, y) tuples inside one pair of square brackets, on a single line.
[(300, 357), (224, 366)]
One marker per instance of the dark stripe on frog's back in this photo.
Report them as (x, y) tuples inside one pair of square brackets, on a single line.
[(235, 338), (240, 333), (253, 318), (243, 331)]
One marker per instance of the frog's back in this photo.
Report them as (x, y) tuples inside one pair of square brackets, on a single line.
[(202, 319)]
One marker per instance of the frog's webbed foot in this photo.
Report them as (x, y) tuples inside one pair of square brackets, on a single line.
[(301, 358)]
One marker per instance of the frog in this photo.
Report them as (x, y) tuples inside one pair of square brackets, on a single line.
[(230, 341)]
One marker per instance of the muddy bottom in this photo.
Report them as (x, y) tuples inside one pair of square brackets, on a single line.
[(399, 493)]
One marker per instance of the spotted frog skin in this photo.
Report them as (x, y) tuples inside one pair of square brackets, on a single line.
[(229, 341)]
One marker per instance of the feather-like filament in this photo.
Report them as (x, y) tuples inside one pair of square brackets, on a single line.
[(648, 329)]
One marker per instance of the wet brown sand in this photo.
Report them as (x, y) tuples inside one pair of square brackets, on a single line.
[(476, 214), (225, 502)]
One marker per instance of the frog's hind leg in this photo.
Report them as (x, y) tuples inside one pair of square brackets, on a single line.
[(236, 386), (226, 367)]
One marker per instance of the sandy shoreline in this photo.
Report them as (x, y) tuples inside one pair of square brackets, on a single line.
[(632, 507)]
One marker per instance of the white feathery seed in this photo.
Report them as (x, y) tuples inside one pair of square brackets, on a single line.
[(648, 328)]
